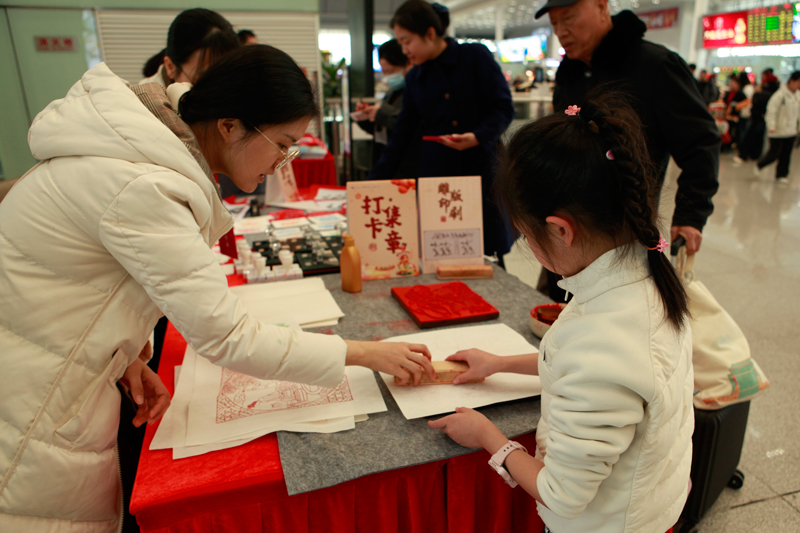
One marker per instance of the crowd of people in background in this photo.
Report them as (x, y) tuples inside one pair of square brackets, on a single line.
[(747, 113)]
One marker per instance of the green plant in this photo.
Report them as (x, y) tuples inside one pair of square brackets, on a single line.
[(331, 79)]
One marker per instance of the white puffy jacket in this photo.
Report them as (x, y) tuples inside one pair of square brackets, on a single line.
[(112, 229), (783, 113), (617, 419)]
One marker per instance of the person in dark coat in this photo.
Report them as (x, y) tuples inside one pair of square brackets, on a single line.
[(605, 53), (457, 93), (383, 117), (753, 143)]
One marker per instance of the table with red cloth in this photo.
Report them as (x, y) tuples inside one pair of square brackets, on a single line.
[(315, 171), (242, 489)]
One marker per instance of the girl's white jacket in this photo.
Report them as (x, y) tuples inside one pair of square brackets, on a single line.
[(617, 420), (113, 228)]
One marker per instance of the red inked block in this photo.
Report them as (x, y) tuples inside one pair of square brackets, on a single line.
[(443, 304)]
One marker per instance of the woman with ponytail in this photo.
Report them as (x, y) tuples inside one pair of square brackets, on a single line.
[(115, 228), (614, 443), (197, 39)]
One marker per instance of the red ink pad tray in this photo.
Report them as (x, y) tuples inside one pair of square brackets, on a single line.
[(443, 304)]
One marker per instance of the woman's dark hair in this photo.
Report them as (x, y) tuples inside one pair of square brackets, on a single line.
[(744, 79), (258, 84), (417, 16), (243, 35), (392, 52), (200, 29), (153, 64), (795, 76), (561, 164)]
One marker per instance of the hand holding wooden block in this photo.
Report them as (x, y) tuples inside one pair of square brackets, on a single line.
[(446, 372)]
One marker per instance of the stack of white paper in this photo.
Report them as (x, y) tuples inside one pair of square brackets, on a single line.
[(214, 408), (306, 301), (499, 339)]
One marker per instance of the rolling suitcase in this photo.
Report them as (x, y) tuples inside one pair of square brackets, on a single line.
[(716, 448), (716, 443)]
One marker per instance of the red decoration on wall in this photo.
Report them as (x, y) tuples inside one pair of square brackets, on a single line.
[(725, 29), (54, 44), (662, 18)]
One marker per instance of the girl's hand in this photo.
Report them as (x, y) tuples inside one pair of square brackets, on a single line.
[(470, 429), (460, 141), (147, 391), (481, 364), (400, 359)]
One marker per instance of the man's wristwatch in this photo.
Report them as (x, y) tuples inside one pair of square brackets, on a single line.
[(499, 458)]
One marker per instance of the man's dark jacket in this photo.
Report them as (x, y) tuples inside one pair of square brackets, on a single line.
[(665, 95)]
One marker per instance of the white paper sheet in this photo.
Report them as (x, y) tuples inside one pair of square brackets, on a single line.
[(323, 426), (305, 300), (252, 225), (290, 223), (333, 218), (324, 194), (171, 430), (499, 339), (226, 404), (258, 291)]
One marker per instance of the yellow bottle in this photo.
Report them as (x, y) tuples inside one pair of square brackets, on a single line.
[(350, 264)]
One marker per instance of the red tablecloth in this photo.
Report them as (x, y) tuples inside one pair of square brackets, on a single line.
[(309, 172), (242, 489)]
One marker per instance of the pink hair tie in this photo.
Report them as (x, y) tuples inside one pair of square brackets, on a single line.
[(572, 110), (610, 155), (661, 246)]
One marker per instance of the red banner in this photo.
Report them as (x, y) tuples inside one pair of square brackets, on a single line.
[(725, 29), (663, 18)]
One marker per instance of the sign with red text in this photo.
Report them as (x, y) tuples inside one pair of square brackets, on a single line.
[(725, 30), (382, 216), (54, 44), (451, 221), (663, 18)]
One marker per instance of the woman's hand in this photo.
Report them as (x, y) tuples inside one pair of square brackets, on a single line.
[(370, 109), (481, 364), (400, 359), (470, 429), (460, 141), (147, 391)]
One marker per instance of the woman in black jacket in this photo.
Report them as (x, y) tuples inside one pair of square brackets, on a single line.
[(456, 93)]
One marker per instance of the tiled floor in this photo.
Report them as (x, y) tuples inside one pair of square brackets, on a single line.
[(750, 260)]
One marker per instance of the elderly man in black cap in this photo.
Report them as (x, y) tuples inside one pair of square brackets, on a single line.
[(609, 53)]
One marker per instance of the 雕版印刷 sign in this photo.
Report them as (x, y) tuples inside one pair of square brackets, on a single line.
[(451, 221)]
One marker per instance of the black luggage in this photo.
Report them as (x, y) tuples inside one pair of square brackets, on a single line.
[(717, 446)]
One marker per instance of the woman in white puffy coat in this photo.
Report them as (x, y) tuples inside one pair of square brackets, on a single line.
[(112, 229)]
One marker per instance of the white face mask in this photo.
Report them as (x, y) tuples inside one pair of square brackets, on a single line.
[(395, 81)]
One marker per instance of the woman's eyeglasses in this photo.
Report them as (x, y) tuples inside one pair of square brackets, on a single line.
[(287, 157)]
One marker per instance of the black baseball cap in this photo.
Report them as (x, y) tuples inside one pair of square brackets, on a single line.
[(553, 3)]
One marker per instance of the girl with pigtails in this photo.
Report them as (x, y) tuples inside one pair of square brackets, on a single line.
[(613, 446)]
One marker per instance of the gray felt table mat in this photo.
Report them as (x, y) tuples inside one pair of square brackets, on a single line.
[(387, 440)]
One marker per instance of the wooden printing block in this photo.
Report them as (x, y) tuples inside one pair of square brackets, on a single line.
[(446, 372), (465, 272)]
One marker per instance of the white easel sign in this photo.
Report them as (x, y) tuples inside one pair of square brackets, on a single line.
[(451, 221), (288, 183)]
